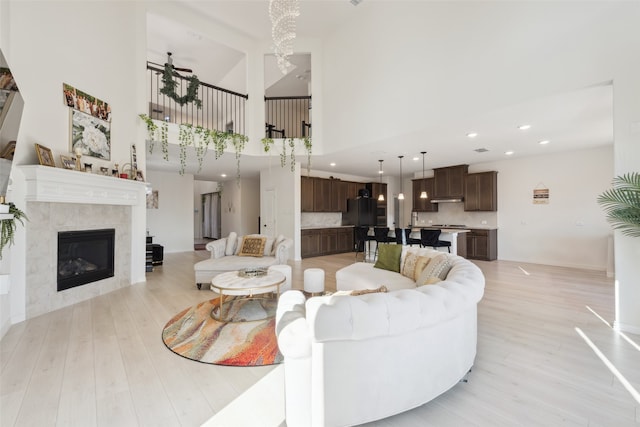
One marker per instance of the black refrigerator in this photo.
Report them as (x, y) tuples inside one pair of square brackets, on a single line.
[(360, 212)]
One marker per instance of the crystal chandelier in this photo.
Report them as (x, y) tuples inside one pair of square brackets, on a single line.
[(283, 14)]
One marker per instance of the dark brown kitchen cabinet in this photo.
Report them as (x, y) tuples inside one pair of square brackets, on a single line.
[(341, 191), (449, 181), (481, 191), (310, 243), (307, 198), (326, 241), (423, 205), (322, 195), (482, 244), (345, 239), (352, 189)]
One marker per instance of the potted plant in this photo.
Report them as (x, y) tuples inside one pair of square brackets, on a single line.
[(622, 204), (8, 226)]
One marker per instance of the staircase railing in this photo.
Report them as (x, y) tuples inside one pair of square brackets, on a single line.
[(287, 116), (222, 109)]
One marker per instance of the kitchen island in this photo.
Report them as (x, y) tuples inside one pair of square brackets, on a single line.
[(448, 235)]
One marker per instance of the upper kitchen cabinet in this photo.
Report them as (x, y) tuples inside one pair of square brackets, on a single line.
[(481, 191), (326, 195), (449, 182), (423, 205), (306, 189)]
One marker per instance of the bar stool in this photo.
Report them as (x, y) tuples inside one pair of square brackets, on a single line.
[(314, 281), (429, 238)]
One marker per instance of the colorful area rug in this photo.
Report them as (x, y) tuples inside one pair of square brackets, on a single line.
[(194, 334)]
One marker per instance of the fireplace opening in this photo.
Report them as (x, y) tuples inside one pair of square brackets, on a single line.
[(84, 257)]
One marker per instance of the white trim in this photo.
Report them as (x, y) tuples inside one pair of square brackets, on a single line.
[(56, 185), (626, 328)]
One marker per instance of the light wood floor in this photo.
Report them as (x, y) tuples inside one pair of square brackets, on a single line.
[(102, 362)]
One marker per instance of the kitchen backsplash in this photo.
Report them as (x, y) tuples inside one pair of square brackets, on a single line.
[(453, 213), (320, 219)]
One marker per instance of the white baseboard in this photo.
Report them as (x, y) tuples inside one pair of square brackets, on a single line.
[(626, 328)]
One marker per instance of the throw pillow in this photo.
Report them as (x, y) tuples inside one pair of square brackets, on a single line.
[(230, 248), (389, 257), (438, 267), (252, 246), (277, 242), (414, 265)]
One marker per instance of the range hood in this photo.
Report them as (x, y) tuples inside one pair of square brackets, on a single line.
[(447, 200)]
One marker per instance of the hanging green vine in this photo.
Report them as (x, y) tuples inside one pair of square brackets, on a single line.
[(152, 131), (267, 143), (308, 145), (283, 154), (185, 138), (202, 144), (238, 142), (170, 84), (8, 227), (292, 144), (219, 142), (164, 139)]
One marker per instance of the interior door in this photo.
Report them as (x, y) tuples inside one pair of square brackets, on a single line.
[(268, 214)]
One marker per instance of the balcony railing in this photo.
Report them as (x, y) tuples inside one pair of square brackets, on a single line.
[(288, 117), (222, 109)]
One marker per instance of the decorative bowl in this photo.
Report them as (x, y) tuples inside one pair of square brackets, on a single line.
[(252, 272)]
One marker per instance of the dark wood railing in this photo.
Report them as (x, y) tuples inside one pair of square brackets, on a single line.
[(222, 109), (287, 116)]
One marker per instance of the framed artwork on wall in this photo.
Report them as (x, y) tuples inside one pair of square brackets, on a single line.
[(45, 157), (90, 135)]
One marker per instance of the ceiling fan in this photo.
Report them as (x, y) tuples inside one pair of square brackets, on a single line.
[(170, 63)]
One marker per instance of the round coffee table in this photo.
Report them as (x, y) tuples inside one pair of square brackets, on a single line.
[(232, 284)]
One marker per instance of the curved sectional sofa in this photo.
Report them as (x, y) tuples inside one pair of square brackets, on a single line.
[(354, 359)]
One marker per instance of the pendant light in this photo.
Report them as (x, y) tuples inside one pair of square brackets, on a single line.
[(424, 194), (381, 196), (401, 195)]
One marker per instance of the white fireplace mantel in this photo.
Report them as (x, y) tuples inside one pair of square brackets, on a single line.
[(56, 185)]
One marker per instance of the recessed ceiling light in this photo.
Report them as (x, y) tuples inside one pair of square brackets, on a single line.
[(472, 134), (544, 141), (224, 175), (508, 153), (415, 159), (332, 164), (524, 127)]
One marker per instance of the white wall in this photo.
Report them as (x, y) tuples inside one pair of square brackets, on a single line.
[(240, 206), (571, 230), (171, 225), (105, 62)]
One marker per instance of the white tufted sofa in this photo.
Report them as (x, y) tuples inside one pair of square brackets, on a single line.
[(354, 359), (224, 257)]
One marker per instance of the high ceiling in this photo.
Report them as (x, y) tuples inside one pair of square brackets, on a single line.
[(572, 120)]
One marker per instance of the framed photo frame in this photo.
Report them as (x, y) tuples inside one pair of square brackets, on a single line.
[(45, 156), (104, 171), (90, 135), (68, 162), (9, 150), (139, 176)]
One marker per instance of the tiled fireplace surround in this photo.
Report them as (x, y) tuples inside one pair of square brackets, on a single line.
[(62, 200)]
